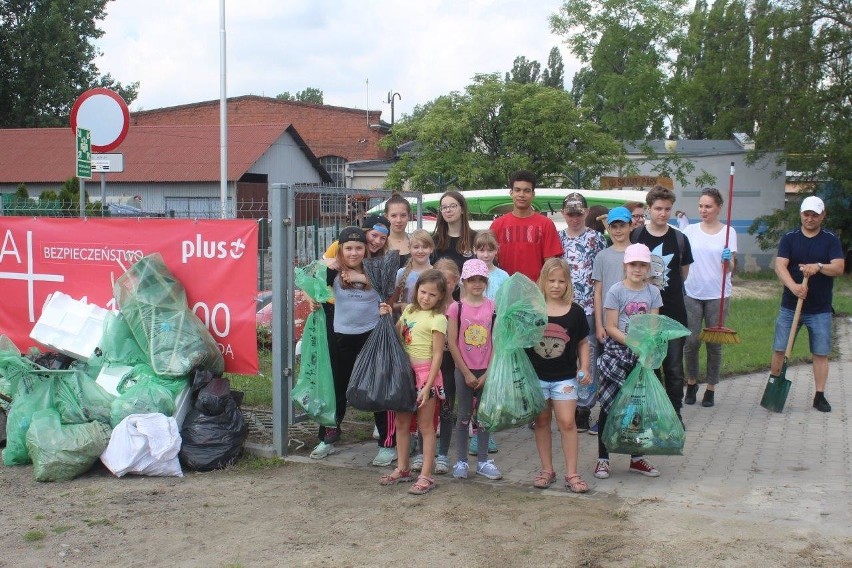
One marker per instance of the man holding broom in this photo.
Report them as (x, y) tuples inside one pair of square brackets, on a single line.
[(816, 253)]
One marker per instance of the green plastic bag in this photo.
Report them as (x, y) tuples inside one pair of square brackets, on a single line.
[(64, 451), (154, 303), (144, 392), (12, 367), (34, 393), (314, 389), (512, 395), (79, 399), (118, 346), (642, 419)]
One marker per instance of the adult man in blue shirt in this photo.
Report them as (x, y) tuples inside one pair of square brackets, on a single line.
[(816, 253)]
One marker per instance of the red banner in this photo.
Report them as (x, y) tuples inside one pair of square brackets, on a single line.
[(215, 260)]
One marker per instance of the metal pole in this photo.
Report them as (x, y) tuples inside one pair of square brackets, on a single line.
[(281, 206), (82, 198), (223, 115), (103, 193)]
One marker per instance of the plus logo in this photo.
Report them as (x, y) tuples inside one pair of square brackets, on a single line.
[(10, 249)]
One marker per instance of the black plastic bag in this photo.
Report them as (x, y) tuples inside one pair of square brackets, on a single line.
[(212, 441), (382, 378)]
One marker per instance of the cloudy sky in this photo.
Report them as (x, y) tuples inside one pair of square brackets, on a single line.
[(419, 49)]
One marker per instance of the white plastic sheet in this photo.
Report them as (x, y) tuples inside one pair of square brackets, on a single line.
[(144, 444)]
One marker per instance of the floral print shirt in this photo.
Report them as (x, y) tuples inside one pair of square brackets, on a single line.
[(580, 252)]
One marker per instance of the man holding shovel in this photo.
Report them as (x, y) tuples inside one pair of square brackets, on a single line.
[(816, 253)]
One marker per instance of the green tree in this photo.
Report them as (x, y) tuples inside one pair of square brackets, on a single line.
[(47, 60), (625, 46), (524, 71), (554, 74), (309, 95), (481, 135)]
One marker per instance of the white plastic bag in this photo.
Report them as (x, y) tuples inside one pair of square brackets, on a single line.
[(144, 444)]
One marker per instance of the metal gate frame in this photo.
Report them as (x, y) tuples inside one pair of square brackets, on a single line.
[(282, 212)]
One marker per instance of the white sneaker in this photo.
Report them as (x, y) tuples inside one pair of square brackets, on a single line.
[(460, 470), (322, 451), (488, 469), (417, 462), (385, 457)]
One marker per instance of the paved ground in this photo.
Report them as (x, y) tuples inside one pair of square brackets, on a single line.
[(790, 467)]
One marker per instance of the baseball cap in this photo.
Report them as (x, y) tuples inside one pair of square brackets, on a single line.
[(618, 214), (474, 267), (351, 234), (637, 253), (378, 223), (574, 203), (813, 203)]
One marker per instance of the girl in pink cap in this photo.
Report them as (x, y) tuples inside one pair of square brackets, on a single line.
[(561, 361), (633, 295), (470, 322)]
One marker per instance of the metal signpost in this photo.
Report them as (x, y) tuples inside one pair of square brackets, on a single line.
[(84, 164)]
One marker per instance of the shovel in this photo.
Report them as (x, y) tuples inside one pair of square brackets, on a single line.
[(778, 386)]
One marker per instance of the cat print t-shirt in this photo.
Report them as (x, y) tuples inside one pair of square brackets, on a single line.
[(554, 358)]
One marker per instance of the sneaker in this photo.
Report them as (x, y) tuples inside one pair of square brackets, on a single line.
[(417, 462), (602, 469), (492, 445), (331, 435), (488, 469), (322, 451), (643, 467), (460, 470), (593, 431), (442, 464), (822, 405), (473, 446), (375, 432), (385, 457)]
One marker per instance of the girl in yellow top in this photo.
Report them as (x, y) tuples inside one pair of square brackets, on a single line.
[(423, 327)]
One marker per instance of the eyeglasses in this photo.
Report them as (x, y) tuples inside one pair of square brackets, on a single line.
[(450, 207), (637, 217)]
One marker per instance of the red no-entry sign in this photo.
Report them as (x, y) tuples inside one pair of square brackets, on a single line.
[(105, 114)]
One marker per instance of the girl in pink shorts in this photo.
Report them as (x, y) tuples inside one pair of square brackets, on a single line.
[(423, 327)]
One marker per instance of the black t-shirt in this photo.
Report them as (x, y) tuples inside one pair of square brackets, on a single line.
[(666, 262), (452, 253), (555, 357)]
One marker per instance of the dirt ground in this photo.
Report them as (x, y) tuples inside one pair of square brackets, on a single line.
[(267, 513)]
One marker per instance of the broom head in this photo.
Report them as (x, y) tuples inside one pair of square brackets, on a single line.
[(719, 334)]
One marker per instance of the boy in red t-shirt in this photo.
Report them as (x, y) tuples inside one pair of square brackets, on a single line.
[(526, 238)]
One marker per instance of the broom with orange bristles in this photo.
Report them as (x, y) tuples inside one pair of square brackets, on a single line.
[(720, 333)]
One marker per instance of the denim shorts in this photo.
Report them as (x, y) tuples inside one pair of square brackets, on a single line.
[(559, 390), (819, 331)]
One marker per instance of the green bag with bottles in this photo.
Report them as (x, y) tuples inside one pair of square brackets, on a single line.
[(642, 419), (511, 394)]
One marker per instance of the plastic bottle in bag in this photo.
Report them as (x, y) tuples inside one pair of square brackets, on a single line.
[(585, 392)]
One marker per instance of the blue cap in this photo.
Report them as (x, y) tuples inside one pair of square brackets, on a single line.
[(618, 214)]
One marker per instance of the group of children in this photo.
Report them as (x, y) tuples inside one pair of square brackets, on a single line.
[(449, 344)]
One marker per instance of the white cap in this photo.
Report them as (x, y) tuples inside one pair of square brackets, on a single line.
[(813, 203)]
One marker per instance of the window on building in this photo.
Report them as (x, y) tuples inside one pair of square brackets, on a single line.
[(336, 168)]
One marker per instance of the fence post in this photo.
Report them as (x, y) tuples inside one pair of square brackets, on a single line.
[(282, 206)]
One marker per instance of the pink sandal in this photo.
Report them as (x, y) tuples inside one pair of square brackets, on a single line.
[(544, 479), (576, 483), (424, 485), (396, 476)]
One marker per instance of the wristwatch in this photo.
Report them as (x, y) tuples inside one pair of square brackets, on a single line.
[(819, 267)]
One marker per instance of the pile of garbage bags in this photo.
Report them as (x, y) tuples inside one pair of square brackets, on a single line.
[(148, 399)]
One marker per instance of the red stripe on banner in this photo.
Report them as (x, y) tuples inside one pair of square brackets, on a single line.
[(215, 260)]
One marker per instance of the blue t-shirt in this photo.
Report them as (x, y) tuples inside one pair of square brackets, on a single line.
[(799, 249)]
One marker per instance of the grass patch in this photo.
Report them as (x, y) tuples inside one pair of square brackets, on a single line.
[(34, 536), (61, 529), (98, 522), (249, 462)]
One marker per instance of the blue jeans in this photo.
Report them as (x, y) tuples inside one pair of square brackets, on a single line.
[(819, 331)]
